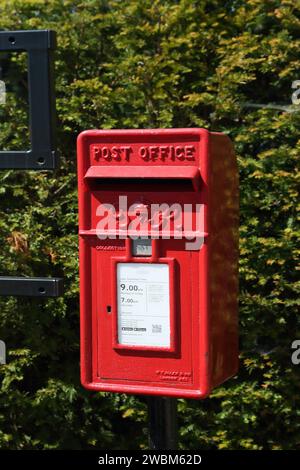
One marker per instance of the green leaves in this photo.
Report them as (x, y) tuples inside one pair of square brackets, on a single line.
[(226, 66)]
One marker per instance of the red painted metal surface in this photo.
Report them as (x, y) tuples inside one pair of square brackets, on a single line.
[(156, 166)]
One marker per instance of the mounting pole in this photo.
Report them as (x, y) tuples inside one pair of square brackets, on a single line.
[(162, 416)]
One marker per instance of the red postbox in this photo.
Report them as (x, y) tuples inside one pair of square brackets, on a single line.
[(158, 229)]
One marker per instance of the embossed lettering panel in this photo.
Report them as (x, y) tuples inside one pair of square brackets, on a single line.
[(137, 153), (169, 150)]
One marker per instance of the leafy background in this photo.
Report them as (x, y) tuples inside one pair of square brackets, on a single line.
[(151, 63)]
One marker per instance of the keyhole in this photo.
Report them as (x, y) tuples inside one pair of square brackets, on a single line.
[(108, 309)]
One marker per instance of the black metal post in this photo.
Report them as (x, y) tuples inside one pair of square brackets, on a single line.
[(162, 415)]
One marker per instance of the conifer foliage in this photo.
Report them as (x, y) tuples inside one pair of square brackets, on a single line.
[(223, 65)]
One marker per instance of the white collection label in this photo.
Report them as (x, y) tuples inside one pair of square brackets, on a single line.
[(143, 304)]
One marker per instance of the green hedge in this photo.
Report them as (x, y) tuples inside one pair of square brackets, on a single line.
[(151, 63)]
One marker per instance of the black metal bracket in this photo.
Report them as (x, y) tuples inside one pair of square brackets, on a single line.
[(39, 45), (42, 156), (31, 286)]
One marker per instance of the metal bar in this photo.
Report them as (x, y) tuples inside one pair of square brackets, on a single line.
[(163, 427), (31, 286), (39, 45), (29, 39)]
